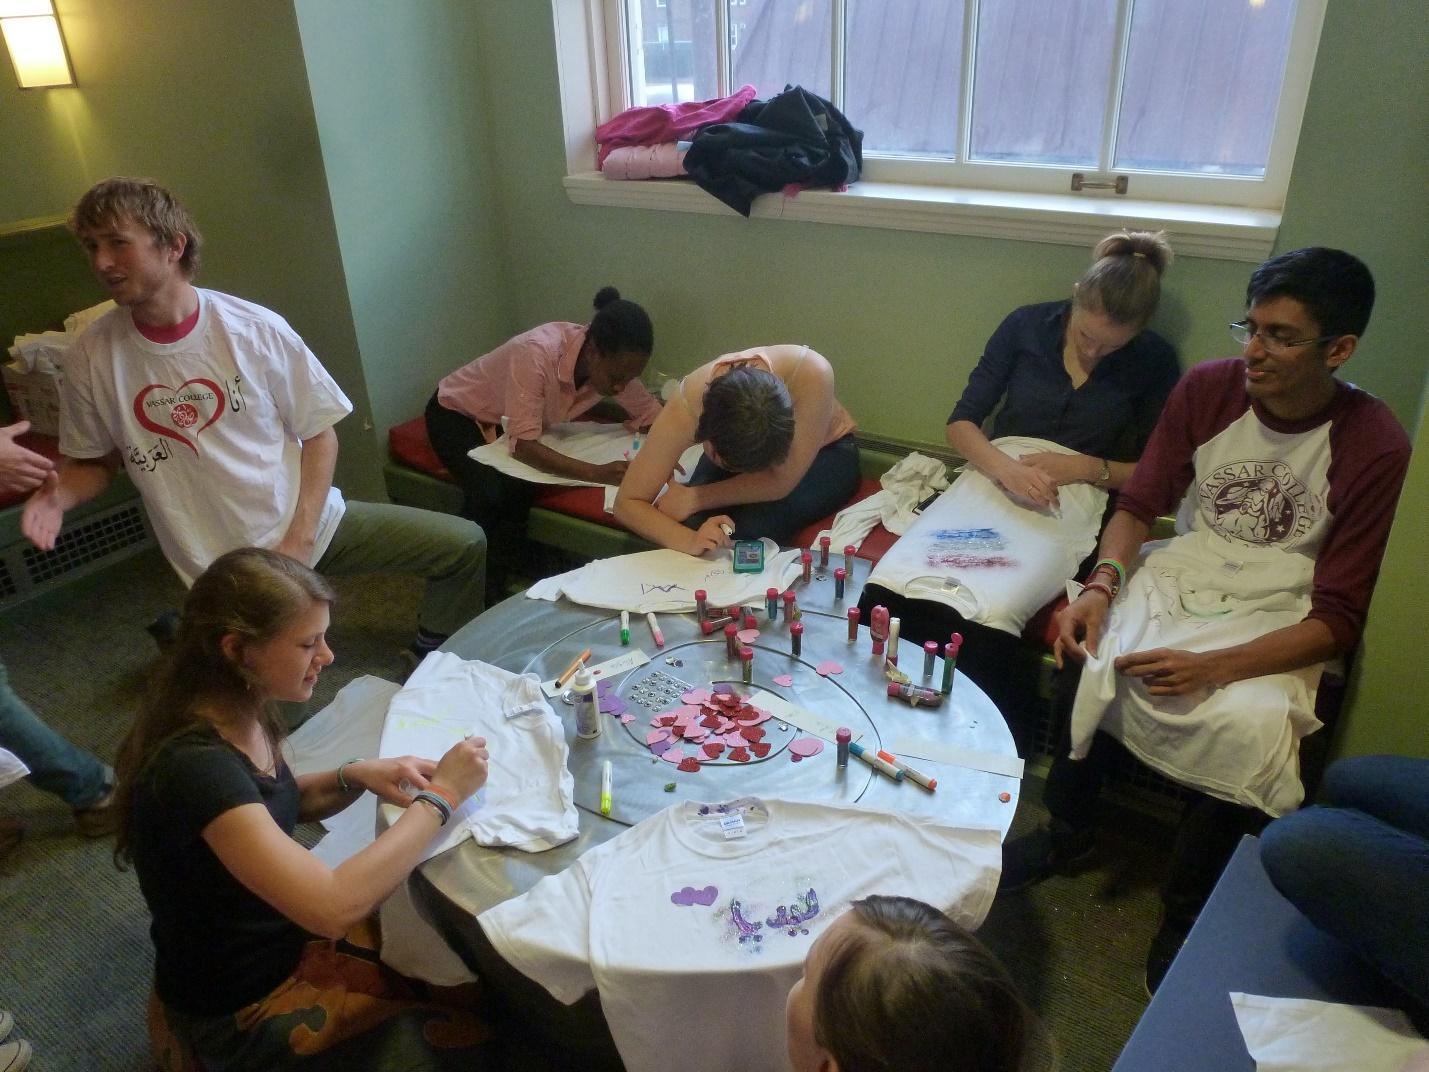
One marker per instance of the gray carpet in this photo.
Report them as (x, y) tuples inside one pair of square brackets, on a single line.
[(75, 958)]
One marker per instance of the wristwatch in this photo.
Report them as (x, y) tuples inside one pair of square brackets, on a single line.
[(1104, 477)]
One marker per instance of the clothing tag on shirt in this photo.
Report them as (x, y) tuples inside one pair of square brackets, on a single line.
[(525, 709), (731, 825), (1232, 568)]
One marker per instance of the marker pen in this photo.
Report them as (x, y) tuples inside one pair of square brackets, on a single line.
[(915, 694), (655, 629), (912, 773), (605, 779), (880, 765), (624, 628)]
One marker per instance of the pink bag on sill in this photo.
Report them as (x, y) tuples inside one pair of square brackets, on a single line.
[(653, 124)]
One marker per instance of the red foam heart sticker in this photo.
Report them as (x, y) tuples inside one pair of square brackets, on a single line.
[(713, 749), (739, 755), (760, 748), (751, 733), (689, 765)]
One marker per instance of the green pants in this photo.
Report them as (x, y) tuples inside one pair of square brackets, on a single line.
[(449, 551)]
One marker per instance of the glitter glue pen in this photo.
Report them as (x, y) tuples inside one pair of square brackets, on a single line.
[(880, 765), (824, 542), (655, 629), (917, 695), (624, 628), (911, 773)]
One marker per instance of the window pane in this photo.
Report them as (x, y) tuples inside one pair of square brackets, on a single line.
[(903, 74), (1202, 82), (1042, 80), (672, 51), (777, 42)]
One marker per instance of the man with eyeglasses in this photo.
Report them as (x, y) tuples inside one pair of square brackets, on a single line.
[(1206, 668)]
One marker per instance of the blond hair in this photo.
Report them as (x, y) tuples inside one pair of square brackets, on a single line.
[(1124, 281)]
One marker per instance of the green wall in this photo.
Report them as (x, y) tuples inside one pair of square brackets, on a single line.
[(400, 119), (209, 97), (903, 316)]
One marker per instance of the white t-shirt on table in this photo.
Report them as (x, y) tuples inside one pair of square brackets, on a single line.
[(684, 930)]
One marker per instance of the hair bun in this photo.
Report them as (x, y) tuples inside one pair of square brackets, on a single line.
[(605, 295)]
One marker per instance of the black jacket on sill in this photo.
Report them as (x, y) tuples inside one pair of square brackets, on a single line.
[(794, 137)]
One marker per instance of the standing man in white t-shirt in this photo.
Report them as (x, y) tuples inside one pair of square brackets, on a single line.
[(223, 418)]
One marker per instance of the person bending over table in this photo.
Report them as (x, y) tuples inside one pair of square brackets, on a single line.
[(779, 453), (1085, 373), (257, 963), (895, 984), (553, 373)]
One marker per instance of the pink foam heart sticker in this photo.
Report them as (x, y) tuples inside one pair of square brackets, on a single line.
[(748, 636), (784, 679), (626, 719), (657, 735), (696, 696), (828, 666), (672, 755), (806, 746)]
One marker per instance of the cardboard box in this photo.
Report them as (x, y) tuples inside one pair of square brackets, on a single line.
[(34, 397)]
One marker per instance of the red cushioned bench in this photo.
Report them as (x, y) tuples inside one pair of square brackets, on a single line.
[(572, 518)]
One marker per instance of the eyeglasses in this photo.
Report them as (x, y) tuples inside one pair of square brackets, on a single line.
[(1241, 333)]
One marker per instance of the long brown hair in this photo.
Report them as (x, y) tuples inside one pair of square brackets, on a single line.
[(909, 990), (250, 593)]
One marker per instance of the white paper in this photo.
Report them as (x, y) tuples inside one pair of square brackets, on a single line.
[(1300, 1035), (589, 441)]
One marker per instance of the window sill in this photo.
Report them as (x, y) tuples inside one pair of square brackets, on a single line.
[(1196, 230)]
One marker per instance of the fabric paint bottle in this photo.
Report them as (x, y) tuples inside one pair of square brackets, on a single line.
[(917, 695), (746, 665), (824, 542), (878, 628), (587, 705), (840, 575), (950, 661), (842, 738), (796, 637)]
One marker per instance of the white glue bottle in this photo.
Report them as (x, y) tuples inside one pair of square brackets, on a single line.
[(587, 705)]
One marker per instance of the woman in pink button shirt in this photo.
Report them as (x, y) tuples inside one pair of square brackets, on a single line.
[(552, 373)]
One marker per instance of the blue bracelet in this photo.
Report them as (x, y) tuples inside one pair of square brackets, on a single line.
[(443, 808)]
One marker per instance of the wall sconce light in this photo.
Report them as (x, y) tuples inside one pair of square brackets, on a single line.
[(36, 43)]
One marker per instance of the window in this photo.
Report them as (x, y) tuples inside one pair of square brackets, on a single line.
[(1186, 100), (978, 113)]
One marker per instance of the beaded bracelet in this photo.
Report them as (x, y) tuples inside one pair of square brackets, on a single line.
[(1114, 564), (1100, 586), (341, 781), (434, 801)]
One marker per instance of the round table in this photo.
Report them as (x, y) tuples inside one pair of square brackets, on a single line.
[(526, 635)]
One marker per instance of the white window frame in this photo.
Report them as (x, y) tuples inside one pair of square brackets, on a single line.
[(1020, 202)]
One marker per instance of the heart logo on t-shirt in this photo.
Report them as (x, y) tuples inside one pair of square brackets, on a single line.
[(163, 410)]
